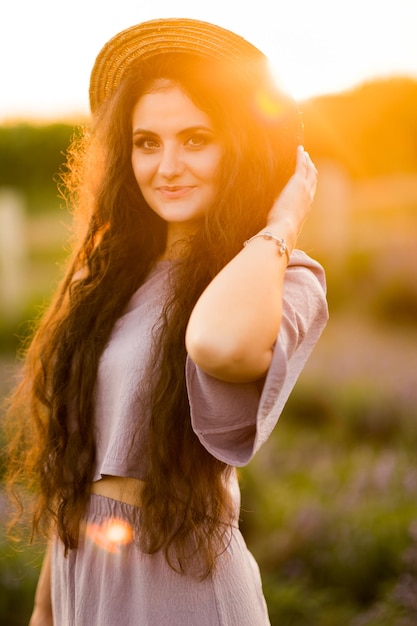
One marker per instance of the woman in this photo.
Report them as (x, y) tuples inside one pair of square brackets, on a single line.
[(170, 348)]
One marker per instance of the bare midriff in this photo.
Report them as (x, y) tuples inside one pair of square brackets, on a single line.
[(119, 488)]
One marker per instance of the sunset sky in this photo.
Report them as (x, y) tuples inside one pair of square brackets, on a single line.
[(47, 48)]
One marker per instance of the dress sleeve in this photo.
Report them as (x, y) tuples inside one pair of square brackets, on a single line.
[(233, 420)]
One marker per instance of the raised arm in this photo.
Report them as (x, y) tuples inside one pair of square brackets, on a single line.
[(236, 320)]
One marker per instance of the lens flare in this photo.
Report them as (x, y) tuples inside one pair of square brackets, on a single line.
[(267, 106), (111, 536)]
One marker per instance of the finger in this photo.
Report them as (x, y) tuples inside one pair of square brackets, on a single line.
[(310, 175), (311, 170), (301, 162), (309, 163), (305, 166)]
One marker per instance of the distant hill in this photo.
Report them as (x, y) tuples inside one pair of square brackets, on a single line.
[(371, 130)]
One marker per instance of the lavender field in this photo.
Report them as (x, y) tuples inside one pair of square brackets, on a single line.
[(330, 502)]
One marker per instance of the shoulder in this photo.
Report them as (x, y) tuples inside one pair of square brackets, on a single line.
[(304, 294), (304, 268)]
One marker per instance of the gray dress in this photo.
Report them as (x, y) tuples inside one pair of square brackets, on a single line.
[(108, 581)]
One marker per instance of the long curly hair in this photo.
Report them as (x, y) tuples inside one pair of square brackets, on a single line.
[(117, 240)]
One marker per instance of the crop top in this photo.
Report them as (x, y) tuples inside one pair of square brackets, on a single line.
[(231, 420)]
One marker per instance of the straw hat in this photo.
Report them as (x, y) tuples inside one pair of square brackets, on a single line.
[(164, 36)]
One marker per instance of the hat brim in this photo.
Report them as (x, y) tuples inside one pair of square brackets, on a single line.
[(163, 36)]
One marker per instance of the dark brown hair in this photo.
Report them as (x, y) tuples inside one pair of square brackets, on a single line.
[(52, 445)]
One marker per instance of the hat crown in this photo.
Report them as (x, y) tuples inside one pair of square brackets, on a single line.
[(164, 36)]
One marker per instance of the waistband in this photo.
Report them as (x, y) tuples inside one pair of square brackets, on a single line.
[(122, 489)]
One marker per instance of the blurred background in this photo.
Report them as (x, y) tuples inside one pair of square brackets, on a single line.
[(330, 503)]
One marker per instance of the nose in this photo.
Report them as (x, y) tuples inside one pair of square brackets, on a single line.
[(171, 163)]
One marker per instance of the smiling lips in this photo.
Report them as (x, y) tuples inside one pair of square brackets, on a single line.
[(174, 192)]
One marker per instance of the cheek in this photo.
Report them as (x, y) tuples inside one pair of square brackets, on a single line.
[(212, 166), (141, 171)]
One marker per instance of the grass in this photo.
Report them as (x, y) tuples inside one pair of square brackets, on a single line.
[(332, 516), (330, 502)]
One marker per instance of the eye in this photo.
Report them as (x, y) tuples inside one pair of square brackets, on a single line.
[(146, 143), (197, 140)]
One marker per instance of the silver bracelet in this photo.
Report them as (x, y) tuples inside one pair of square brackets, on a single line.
[(282, 246)]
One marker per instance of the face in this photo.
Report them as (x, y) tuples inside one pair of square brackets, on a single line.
[(176, 156)]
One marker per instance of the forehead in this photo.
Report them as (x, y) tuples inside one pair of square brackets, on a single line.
[(168, 104)]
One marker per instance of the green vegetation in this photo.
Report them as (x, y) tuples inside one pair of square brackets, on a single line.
[(329, 510), (333, 511), (330, 502), (19, 572), (31, 158), (371, 131)]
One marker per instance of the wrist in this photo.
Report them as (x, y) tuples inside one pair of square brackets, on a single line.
[(284, 229), (269, 236)]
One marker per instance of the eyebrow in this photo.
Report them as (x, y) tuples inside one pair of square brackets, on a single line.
[(184, 131)]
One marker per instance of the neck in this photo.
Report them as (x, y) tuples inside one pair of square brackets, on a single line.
[(178, 238)]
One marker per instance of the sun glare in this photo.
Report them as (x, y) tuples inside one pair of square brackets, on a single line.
[(314, 48), (267, 106), (111, 536)]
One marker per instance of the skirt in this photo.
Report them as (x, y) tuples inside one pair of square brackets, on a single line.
[(109, 581)]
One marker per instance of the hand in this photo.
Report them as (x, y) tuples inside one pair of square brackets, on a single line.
[(294, 202)]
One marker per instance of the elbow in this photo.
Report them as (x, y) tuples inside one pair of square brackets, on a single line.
[(221, 358), (208, 353), (214, 357)]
